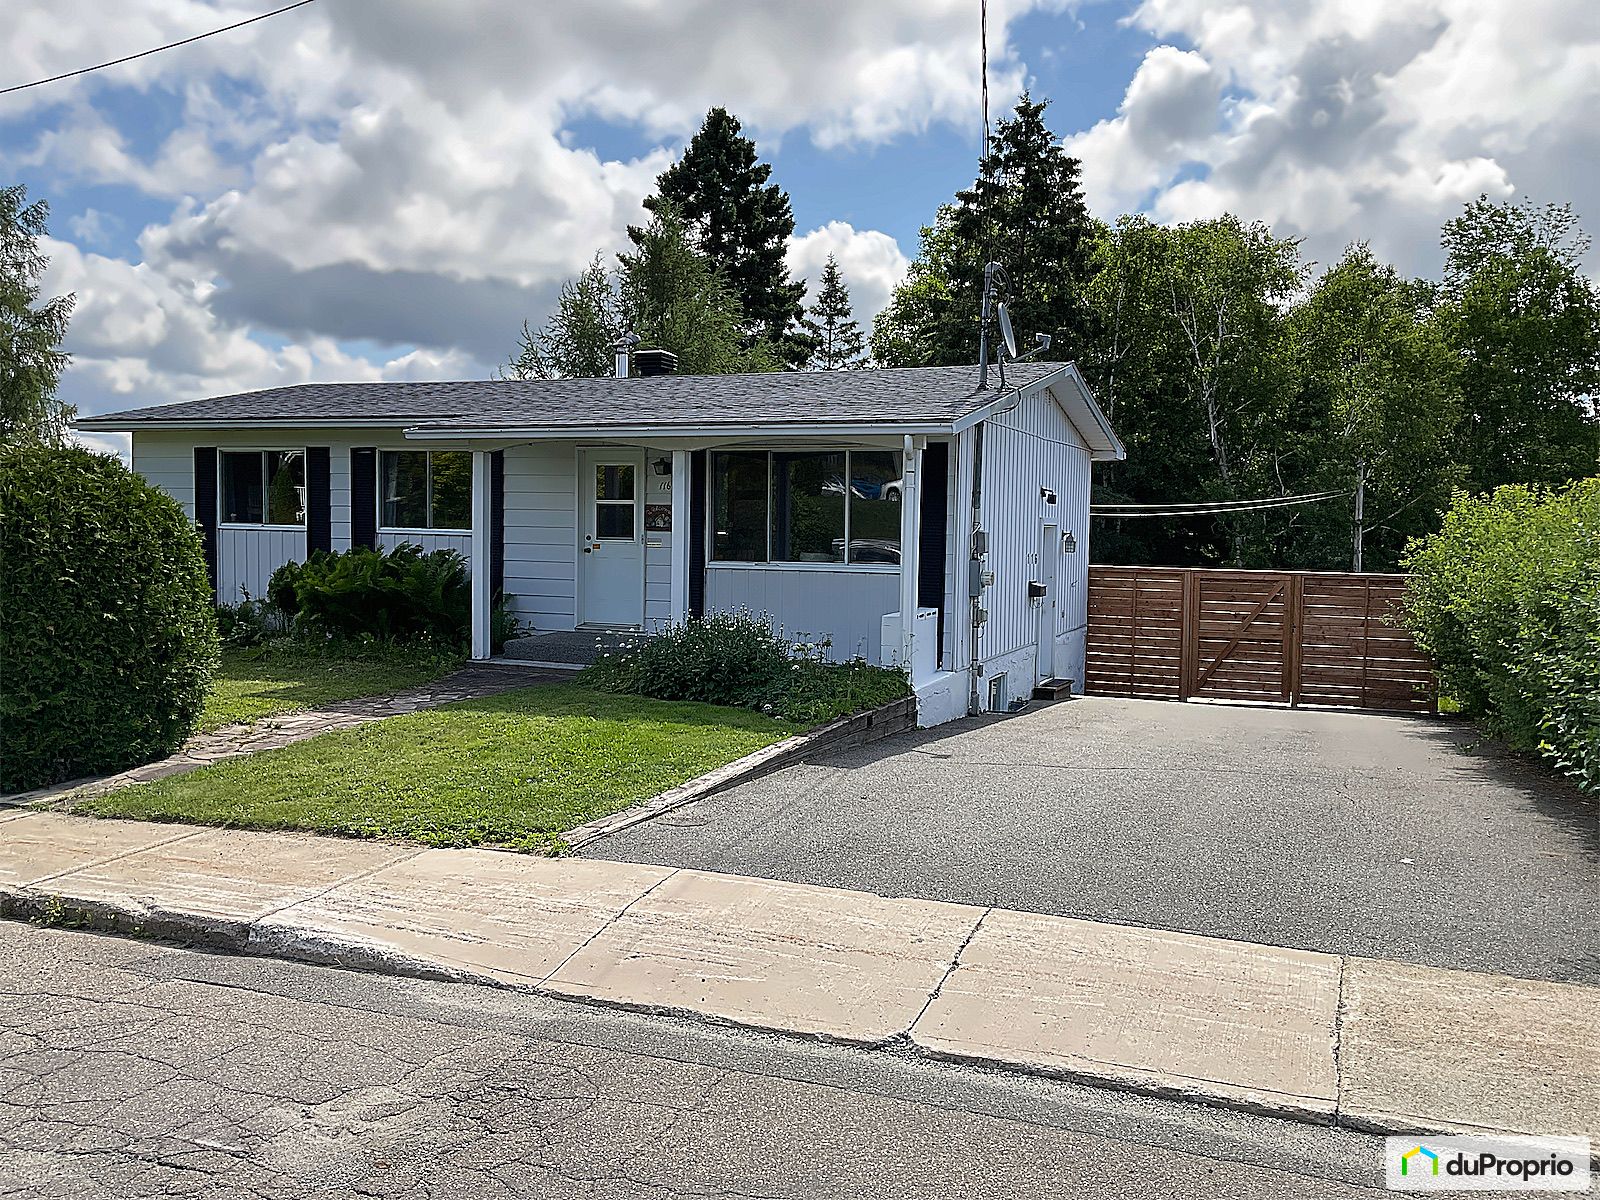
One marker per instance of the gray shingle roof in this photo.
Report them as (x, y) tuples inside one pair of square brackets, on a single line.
[(906, 396)]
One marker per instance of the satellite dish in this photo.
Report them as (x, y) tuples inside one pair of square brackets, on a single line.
[(1005, 329)]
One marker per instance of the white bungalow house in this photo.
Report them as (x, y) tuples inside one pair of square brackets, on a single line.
[(904, 515)]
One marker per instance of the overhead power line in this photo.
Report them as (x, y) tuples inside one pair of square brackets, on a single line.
[(18, 87), (1204, 508)]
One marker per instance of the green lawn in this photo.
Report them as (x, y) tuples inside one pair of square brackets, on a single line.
[(283, 676), (515, 769)]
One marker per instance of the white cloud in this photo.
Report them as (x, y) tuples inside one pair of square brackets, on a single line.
[(401, 174), (92, 227), (140, 337), (1343, 119), (870, 262), (1167, 116)]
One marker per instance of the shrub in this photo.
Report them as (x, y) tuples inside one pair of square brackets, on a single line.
[(503, 624), (251, 622), (400, 593), (739, 659), (108, 631), (1506, 598)]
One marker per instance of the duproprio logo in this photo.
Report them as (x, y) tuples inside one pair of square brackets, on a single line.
[(1476, 1164)]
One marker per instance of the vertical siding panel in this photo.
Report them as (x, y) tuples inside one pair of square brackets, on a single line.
[(248, 557), (1033, 446)]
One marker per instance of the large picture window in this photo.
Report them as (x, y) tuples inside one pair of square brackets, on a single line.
[(425, 489), (831, 506), (263, 487)]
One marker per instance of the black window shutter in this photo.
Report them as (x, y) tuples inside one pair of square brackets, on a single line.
[(319, 499), (205, 506), (698, 484), (364, 497), (497, 522), (935, 518)]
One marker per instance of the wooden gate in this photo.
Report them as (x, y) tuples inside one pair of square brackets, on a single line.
[(1278, 637)]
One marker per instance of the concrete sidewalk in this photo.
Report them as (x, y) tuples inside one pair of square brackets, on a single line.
[(1359, 1042)]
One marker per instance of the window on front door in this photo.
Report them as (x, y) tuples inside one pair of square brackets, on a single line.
[(614, 502)]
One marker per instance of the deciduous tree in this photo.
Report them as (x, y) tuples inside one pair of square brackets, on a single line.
[(1525, 321)]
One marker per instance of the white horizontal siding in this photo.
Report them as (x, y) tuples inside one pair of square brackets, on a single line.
[(811, 604), (657, 548), (541, 540)]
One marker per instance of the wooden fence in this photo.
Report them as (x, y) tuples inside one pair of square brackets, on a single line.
[(1280, 637)]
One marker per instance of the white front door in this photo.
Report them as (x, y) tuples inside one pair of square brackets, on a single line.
[(611, 539), (1049, 605)]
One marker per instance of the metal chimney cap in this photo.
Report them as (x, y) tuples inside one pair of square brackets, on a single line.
[(655, 362)]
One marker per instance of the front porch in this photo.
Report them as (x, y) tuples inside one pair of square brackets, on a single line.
[(588, 540)]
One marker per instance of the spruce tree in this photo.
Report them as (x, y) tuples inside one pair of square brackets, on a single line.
[(742, 223), (31, 359), (1026, 212), (831, 332)]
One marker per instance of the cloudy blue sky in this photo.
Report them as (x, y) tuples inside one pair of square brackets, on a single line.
[(365, 189)]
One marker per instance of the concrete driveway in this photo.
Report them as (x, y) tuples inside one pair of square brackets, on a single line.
[(1392, 837)]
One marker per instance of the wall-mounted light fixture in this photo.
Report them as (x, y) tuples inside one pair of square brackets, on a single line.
[(1047, 495), (662, 466), (1069, 543)]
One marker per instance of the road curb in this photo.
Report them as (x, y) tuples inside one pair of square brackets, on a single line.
[(248, 939), (858, 730), (144, 921)]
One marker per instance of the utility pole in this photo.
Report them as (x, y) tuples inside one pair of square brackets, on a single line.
[(1361, 507)]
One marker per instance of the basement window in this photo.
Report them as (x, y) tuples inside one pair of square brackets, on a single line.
[(821, 507), (425, 490)]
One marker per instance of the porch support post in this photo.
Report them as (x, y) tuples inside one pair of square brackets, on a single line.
[(910, 543), (482, 600), (680, 537)]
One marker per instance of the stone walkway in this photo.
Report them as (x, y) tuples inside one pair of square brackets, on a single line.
[(1327, 1038), (283, 729)]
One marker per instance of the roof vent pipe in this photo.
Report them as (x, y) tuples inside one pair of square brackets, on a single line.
[(655, 362), (623, 347)]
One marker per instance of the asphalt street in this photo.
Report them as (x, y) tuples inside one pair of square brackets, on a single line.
[(1381, 836), (133, 1070)]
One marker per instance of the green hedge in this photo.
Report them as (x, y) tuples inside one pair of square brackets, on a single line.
[(1506, 598), (397, 594), (108, 633), (738, 659)]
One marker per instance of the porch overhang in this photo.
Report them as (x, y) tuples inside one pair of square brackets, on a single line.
[(665, 433)]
